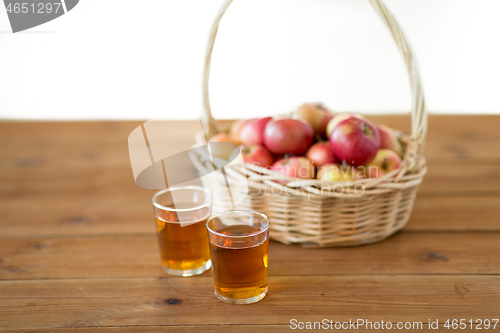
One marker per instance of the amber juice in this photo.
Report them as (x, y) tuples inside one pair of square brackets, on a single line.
[(183, 246), (239, 263)]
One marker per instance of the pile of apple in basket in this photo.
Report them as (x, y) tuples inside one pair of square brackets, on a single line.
[(316, 143)]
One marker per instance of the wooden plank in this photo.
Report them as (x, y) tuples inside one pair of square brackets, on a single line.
[(67, 182), (215, 328), (93, 133), (461, 178), (113, 257), (168, 328), (455, 214), (190, 301), (91, 158), (53, 133), (88, 215), (456, 138), (122, 215), (453, 138), (101, 181), (71, 144)]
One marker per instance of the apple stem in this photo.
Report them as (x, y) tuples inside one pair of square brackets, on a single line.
[(287, 157), (344, 164), (365, 129), (319, 138), (384, 164), (244, 149)]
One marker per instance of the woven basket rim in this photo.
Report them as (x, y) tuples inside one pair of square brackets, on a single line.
[(409, 174)]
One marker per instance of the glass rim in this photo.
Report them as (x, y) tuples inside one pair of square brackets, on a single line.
[(177, 188), (239, 211)]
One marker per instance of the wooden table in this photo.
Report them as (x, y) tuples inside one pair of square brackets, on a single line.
[(78, 250)]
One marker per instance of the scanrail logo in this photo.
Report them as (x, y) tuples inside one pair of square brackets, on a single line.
[(26, 14)]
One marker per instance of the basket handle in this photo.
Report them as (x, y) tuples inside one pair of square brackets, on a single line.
[(418, 111)]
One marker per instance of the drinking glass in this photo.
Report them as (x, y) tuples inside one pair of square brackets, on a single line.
[(181, 214), (239, 242)]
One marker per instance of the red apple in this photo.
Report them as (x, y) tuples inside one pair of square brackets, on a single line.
[(355, 141), (321, 153), (338, 118), (288, 136), (257, 155), (253, 131), (315, 114), (384, 162), (224, 151), (237, 126), (389, 139), (296, 167), (337, 172)]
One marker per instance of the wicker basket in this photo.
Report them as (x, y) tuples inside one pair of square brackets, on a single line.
[(317, 213)]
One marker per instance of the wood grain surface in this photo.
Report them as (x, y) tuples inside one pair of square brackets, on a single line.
[(178, 301), (136, 256), (78, 251)]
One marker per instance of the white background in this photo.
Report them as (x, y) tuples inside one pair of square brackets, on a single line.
[(117, 59)]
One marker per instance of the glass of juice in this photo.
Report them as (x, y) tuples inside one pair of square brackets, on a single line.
[(181, 214), (239, 242)]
